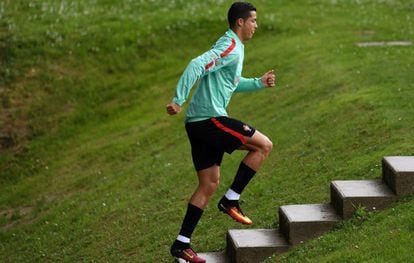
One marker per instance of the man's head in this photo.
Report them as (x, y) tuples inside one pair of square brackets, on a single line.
[(242, 19)]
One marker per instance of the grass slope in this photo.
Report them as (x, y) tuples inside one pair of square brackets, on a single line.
[(92, 169)]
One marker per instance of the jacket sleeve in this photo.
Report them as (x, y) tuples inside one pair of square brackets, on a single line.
[(249, 84), (217, 57)]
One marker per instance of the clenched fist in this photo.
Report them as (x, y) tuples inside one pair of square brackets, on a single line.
[(173, 108), (269, 79)]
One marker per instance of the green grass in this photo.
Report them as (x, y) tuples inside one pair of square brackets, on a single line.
[(94, 170)]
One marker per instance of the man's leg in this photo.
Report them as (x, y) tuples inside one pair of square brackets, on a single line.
[(208, 182), (259, 147)]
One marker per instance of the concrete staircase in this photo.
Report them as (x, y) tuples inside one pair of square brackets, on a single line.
[(299, 223)]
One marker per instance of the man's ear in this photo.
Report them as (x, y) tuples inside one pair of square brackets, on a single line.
[(240, 22)]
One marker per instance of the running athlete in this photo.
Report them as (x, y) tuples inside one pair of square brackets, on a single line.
[(211, 132)]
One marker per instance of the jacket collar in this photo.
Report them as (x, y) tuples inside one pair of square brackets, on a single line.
[(231, 33)]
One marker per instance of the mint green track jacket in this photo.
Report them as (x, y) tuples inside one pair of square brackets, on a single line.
[(219, 73)]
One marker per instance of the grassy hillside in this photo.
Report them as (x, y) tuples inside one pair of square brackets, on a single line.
[(92, 169)]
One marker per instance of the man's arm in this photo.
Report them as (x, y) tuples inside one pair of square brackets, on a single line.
[(192, 73), (219, 56), (249, 84), (253, 84)]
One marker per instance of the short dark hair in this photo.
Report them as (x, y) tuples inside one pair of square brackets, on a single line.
[(239, 10)]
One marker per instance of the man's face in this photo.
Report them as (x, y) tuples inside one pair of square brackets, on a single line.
[(249, 26)]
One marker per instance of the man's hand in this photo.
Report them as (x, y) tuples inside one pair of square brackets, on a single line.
[(269, 79), (173, 108)]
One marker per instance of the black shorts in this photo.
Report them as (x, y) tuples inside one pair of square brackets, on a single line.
[(211, 138)]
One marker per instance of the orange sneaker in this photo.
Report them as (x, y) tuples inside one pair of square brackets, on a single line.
[(232, 208)]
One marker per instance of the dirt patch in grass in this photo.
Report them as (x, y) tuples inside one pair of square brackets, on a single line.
[(15, 102), (16, 216), (24, 215)]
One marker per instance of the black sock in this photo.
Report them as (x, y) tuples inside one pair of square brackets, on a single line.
[(190, 221), (224, 200), (243, 177), (178, 245)]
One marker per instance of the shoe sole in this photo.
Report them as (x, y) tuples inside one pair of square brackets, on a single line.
[(177, 260)]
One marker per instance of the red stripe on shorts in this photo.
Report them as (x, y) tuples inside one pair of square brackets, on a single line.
[(228, 130)]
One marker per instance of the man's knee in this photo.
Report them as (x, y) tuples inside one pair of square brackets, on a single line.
[(211, 187), (267, 146), (259, 143)]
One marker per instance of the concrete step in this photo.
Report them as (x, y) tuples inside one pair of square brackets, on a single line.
[(254, 245), (300, 223), (347, 196), (398, 174), (212, 257)]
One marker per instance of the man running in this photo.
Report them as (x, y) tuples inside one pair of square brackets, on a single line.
[(211, 132)]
